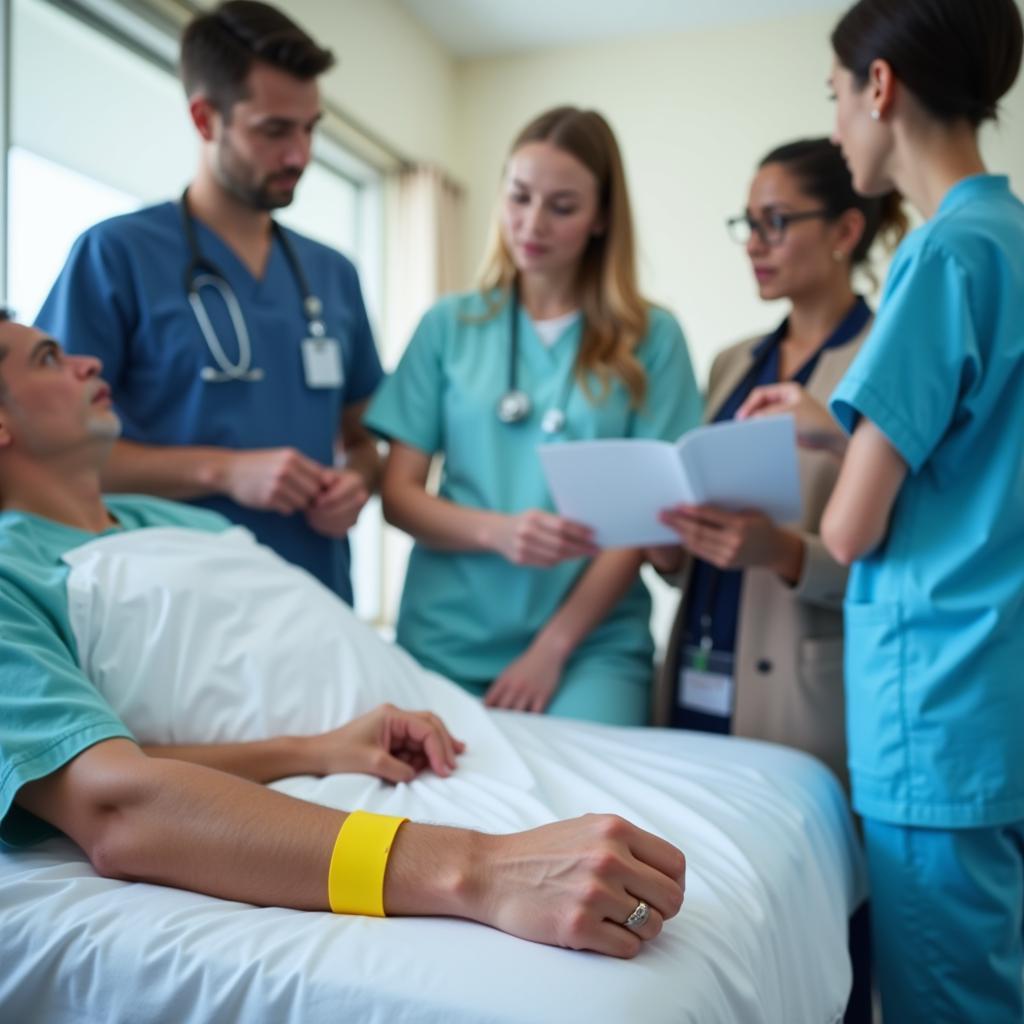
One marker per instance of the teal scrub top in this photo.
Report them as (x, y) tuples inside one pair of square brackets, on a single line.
[(49, 711), (469, 614), (935, 616)]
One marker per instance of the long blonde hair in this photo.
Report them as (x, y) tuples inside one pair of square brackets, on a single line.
[(615, 314)]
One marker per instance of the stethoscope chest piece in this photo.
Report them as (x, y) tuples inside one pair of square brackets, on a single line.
[(513, 406), (553, 421)]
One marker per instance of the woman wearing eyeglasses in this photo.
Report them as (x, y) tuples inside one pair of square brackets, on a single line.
[(756, 649)]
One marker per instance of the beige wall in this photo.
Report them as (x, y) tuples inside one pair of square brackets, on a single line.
[(392, 75), (693, 112)]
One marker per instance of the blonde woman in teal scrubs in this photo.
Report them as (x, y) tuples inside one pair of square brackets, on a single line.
[(502, 595)]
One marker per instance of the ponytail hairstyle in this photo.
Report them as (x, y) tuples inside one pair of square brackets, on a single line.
[(958, 57), (819, 168), (614, 313)]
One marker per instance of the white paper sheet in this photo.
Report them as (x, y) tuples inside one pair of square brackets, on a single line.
[(618, 486)]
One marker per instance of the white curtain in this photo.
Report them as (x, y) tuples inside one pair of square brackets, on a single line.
[(423, 210), (422, 216)]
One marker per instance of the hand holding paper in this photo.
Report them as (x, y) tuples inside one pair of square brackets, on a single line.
[(619, 487)]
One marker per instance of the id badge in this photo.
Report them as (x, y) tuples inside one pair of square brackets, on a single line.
[(321, 359), (706, 682)]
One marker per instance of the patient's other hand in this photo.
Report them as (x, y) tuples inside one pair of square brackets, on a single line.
[(393, 744), (574, 883)]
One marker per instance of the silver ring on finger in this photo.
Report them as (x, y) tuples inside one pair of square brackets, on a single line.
[(638, 918)]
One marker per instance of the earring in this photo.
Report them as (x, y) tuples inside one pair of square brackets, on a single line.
[(837, 255), (875, 115)]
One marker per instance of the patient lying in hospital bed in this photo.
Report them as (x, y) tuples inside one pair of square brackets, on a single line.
[(199, 638)]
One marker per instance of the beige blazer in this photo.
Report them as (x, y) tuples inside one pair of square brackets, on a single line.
[(789, 643)]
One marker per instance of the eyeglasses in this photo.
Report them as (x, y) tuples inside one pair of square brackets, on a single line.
[(771, 229)]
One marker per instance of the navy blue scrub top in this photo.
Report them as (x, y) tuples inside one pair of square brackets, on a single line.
[(717, 589)]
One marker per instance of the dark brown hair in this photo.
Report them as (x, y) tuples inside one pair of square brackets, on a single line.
[(958, 57), (218, 50), (821, 171)]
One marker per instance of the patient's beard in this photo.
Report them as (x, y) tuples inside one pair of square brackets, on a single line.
[(105, 426)]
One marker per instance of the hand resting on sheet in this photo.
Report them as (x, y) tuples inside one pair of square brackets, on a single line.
[(386, 742)]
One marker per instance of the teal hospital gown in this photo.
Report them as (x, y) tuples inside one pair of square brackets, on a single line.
[(49, 711)]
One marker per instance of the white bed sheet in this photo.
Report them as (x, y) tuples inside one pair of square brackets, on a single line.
[(773, 868)]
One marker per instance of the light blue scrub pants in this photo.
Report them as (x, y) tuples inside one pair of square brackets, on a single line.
[(947, 921), (614, 689)]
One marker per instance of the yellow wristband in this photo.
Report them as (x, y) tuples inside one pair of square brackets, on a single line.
[(355, 881)]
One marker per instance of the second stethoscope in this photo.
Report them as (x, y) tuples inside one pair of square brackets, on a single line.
[(202, 272), (515, 405)]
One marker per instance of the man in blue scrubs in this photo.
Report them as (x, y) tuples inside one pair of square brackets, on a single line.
[(239, 353)]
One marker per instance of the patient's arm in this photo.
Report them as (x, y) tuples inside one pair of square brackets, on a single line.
[(387, 742), (140, 818)]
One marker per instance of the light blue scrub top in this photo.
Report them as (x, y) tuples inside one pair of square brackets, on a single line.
[(122, 296), (49, 710), (935, 616), (468, 614)]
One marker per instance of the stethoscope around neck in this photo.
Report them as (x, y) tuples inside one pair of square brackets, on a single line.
[(202, 272), (515, 405)]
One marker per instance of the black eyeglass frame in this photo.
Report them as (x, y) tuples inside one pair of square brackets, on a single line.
[(771, 234)]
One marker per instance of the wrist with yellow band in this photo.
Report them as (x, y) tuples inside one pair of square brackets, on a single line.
[(355, 879)]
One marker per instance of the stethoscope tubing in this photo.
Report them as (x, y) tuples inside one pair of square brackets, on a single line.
[(515, 406), (202, 272)]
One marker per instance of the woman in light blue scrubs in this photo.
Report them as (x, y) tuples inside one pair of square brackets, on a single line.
[(929, 506), (502, 595)]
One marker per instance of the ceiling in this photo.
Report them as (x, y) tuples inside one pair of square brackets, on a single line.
[(488, 28)]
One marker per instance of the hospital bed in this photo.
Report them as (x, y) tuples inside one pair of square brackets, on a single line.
[(773, 868)]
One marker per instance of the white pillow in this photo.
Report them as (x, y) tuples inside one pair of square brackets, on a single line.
[(197, 637)]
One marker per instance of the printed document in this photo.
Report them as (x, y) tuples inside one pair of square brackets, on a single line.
[(618, 486)]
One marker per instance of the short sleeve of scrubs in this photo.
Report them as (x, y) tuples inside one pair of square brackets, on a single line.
[(408, 406), (673, 402), (49, 711), (90, 308), (911, 394)]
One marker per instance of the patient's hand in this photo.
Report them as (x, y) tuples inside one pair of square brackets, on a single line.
[(574, 883), (388, 742)]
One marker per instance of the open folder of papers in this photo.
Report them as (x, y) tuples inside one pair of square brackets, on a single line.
[(617, 487)]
